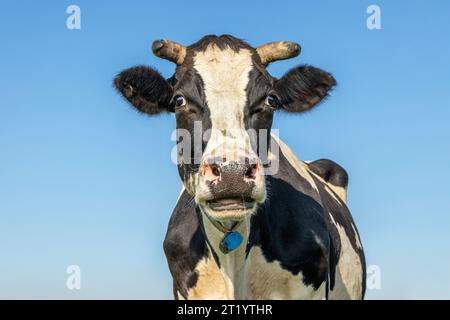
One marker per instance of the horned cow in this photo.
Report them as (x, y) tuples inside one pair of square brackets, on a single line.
[(239, 230)]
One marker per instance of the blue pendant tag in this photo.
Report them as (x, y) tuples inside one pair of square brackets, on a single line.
[(231, 241)]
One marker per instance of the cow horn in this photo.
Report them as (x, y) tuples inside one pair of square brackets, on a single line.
[(169, 50), (279, 50)]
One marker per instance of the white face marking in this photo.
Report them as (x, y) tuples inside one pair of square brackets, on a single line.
[(225, 74)]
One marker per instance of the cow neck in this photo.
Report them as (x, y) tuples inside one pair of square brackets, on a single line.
[(232, 264), (223, 228)]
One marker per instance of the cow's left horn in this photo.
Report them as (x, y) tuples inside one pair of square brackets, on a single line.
[(169, 50), (279, 50)]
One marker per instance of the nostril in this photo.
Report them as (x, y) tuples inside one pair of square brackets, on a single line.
[(215, 170), (250, 173)]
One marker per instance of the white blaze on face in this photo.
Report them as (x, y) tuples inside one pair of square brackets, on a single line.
[(225, 75)]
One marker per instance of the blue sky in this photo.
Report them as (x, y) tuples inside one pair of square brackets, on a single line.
[(85, 180)]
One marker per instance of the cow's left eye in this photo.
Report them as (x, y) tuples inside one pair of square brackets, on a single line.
[(179, 101), (271, 101)]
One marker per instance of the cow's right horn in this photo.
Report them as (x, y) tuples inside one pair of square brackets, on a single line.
[(279, 50), (169, 50)]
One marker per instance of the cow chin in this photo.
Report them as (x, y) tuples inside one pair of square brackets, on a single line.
[(230, 208), (227, 214)]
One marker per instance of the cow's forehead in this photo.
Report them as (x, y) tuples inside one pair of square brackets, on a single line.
[(225, 76), (220, 66)]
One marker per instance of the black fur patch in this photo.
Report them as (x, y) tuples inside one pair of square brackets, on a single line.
[(222, 41), (342, 216), (290, 227), (287, 228), (184, 245), (190, 85), (294, 225)]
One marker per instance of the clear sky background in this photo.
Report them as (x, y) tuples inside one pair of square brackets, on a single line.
[(85, 180)]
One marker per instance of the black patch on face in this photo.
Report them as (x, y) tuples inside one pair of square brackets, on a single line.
[(191, 87), (187, 170), (257, 114)]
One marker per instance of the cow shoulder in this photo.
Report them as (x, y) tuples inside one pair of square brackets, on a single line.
[(332, 221), (184, 245), (292, 234), (290, 228), (194, 267)]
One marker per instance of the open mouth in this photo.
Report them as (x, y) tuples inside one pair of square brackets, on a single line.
[(231, 204)]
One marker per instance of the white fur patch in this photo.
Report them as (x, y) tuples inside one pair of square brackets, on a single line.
[(225, 74), (210, 282), (231, 270)]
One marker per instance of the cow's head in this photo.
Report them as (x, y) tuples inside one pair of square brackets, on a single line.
[(221, 88)]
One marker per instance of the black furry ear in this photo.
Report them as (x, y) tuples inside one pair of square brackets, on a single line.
[(145, 89), (303, 87)]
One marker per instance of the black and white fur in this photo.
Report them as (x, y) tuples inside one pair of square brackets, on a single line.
[(300, 241)]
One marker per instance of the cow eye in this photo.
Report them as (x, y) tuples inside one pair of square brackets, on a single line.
[(271, 101), (179, 101)]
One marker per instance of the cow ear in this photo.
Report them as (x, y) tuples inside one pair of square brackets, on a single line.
[(303, 87), (145, 89)]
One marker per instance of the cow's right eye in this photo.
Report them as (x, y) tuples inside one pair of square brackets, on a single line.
[(179, 101), (271, 101)]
